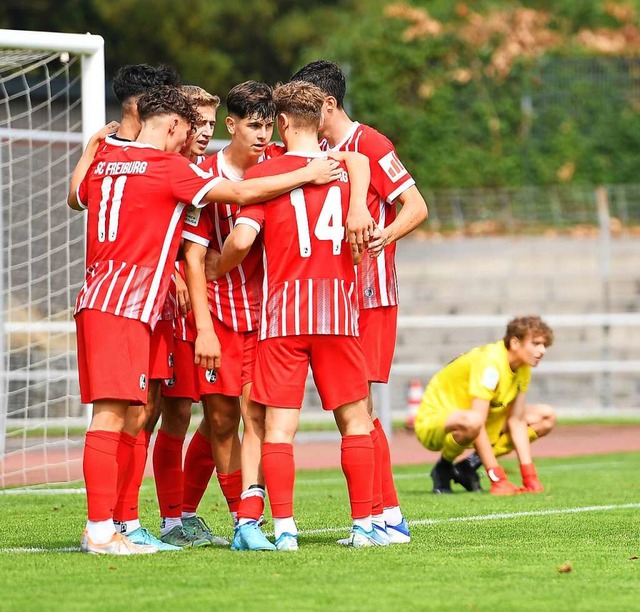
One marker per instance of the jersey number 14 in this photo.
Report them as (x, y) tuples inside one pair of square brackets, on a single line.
[(329, 225)]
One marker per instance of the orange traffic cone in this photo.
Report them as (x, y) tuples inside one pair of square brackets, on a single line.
[(414, 397)]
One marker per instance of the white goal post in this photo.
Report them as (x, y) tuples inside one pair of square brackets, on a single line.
[(52, 99)]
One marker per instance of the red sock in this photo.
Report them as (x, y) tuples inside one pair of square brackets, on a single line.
[(167, 470), (358, 466), (377, 506), (279, 474), (129, 493), (198, 469), (251, 507), (100, 467), (231, 486), (389, 493)]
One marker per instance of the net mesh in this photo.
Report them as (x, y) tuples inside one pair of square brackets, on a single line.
[(41, 418)]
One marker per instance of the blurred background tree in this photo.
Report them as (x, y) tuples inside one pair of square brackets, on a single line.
[(485, 93)]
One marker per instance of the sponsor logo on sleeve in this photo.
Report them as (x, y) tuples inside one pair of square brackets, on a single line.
[(490, 378), (392, 166), (193, 216)]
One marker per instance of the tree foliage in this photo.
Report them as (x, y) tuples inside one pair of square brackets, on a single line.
[(483, 93)]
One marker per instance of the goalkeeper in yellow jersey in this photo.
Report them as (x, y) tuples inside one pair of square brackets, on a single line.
[(479, 400)]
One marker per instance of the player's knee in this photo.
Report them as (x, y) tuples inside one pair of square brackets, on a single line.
[(223, 424), (547, 421), (470, 425)]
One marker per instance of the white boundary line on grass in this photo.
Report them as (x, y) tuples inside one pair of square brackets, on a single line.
[(455, 519)]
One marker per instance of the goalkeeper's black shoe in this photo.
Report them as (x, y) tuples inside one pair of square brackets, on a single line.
[(466, 475), (442, 474)]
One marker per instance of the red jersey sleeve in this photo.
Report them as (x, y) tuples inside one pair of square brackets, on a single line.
[(389, 177), (189, 182), (199, 225)]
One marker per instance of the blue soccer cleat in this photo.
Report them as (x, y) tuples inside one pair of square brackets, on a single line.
[(287, 541), (249, 536), (142, 537), (399, 534)]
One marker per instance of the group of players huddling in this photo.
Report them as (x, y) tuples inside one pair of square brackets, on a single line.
[(221, 279), (271, 288)]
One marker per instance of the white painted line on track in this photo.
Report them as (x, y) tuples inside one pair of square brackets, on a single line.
[(413, 523)]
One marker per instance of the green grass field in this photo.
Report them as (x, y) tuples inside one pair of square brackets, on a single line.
[(469, 551)]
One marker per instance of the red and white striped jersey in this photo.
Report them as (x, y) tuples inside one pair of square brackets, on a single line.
[(376, 277), (309, 279), (135, 197), (234, 299)]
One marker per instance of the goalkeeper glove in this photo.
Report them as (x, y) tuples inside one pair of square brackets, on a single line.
[(530, 482), (500, 485)]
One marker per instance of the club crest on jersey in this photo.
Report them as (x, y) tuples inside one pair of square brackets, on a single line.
[(193, 216), (392, 166), (211, 376), (368, 292), (143, 382)]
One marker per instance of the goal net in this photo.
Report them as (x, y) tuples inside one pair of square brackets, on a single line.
[(51, 101)]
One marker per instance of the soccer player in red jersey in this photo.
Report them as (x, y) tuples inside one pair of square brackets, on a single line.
[(176, 486), (308, 317), (134, 197), (230, 306), (391, 184)]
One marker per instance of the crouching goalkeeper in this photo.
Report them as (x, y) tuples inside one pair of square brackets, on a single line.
[(479, 401)]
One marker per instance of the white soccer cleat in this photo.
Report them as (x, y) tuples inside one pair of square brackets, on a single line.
[(399, 534), (117, 545)]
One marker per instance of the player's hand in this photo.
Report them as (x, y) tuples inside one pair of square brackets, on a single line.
[(500, 485), (211, 265), (360, 227), (182, 295), (110, 128), (323, 170), (208, 354), (379, 240), (530, 482)]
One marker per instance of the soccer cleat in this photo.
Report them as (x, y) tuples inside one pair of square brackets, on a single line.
[(142, 537), (179, 537), (381, 535), (117, 545), (287, 541), (464, 474), (250, 537), (359, 538), (399, 534), (442, 474), (196, 527)]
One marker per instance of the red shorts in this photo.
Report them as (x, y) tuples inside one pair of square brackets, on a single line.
[(113, 357), (184, 382), (238, 359), (378, 333), (282, 365), (161, 364)]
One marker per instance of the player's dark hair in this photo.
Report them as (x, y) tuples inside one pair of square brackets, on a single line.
[(251, 98), (134, 79), (325, 75), (528, 327), (166, 101)]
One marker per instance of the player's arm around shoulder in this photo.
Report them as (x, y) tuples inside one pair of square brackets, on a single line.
[(85, 161)]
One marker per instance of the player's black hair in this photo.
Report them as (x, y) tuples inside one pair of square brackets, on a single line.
[(135, 79), (166, 100), (251, 98), (325, 75)]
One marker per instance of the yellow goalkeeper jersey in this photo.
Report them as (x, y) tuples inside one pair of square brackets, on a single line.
[(483, 372)]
